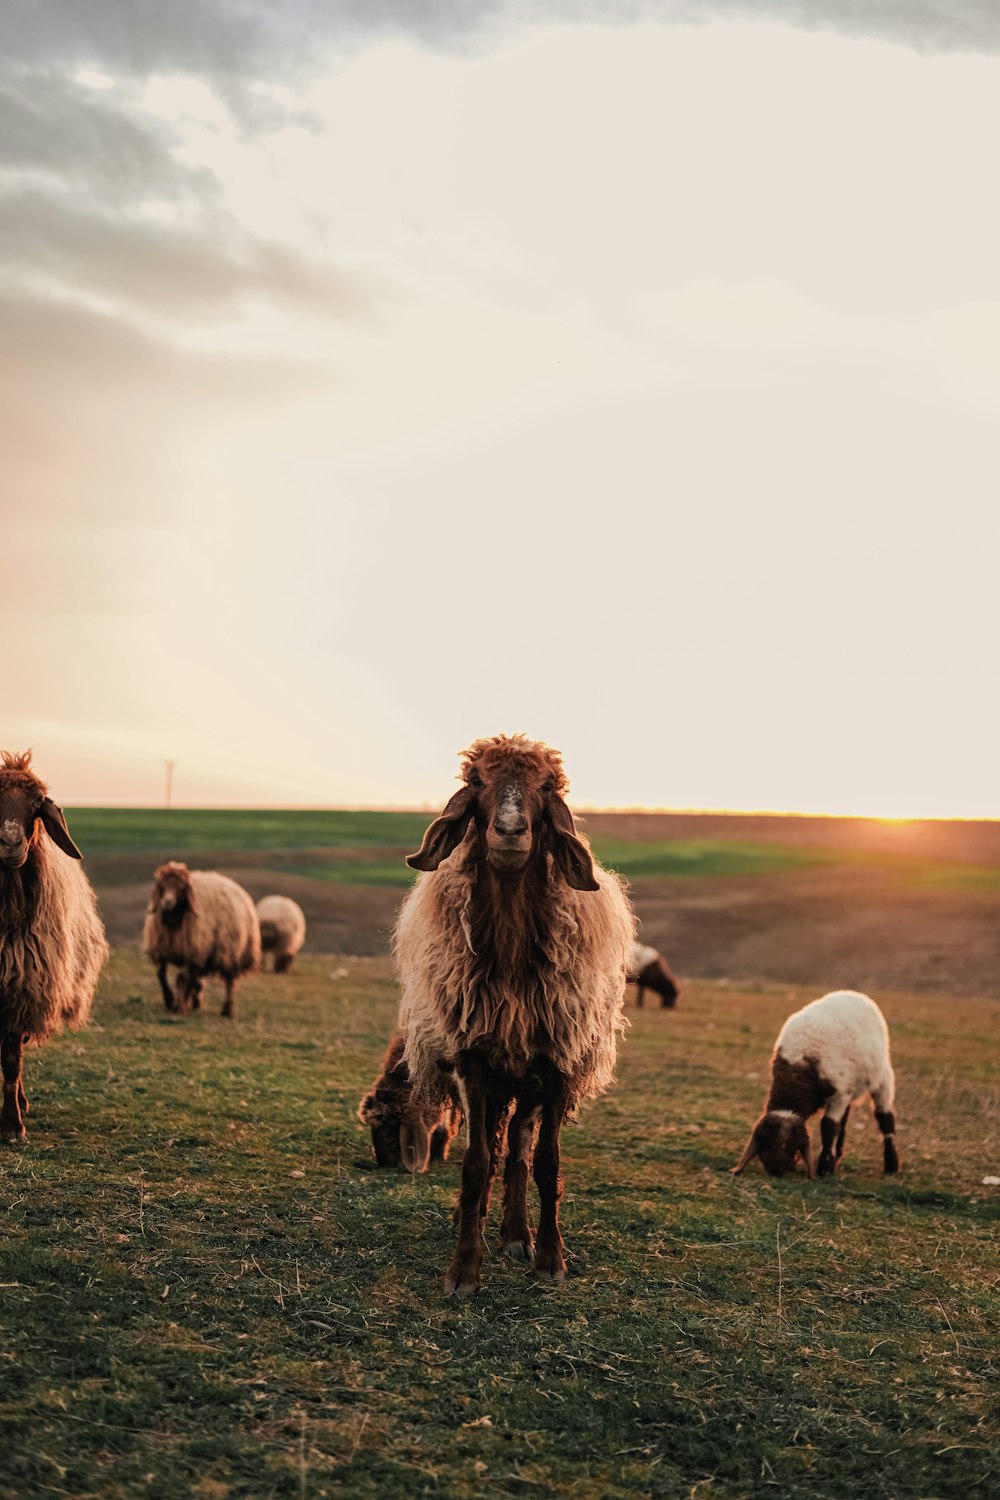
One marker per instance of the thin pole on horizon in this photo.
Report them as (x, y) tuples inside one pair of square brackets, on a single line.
[(169, 764)]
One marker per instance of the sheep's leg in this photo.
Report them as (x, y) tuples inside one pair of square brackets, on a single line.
[(168, 994), (11, 1125), (549, 1258), (463, 1274), (496, 1122), (639, 996), (883, 1099), (515, 1232), (841, 1133), (229, 1004), (284, 963), (830, 1126)]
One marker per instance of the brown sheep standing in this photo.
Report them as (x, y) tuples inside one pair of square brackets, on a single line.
[(204, 923), (407, 1132), (52, 943), (512, 951)]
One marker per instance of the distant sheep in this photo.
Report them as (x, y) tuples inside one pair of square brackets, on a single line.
[(405, 1131), (52, 943), (282, 929), (830, 1053), (511, 950), (650, 971), (204, 923)]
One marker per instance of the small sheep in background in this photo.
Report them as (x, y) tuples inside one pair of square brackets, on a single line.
[(282, 929), (830, 1053), (204, 923), (404, 1132), (650, 971), (52, 943)]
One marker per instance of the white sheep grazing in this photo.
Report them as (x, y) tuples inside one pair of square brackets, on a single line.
[(829, 1054), (205, 924), (282, 929), (648, 969)]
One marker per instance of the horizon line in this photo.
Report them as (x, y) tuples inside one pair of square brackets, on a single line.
[(633, 809)]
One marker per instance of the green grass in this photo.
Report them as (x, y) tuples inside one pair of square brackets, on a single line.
[(189, 833), (208, 1290), (119, 830), (707, 857)]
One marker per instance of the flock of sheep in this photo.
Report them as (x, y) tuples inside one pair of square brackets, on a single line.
[(513, 949)]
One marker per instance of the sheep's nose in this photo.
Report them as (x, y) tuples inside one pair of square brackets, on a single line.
[(511, 826)]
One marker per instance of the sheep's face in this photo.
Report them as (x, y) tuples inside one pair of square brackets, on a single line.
[(20, 807), (781, 1140), (513, 793), (400, 1137), (171, 896), (23, 806)]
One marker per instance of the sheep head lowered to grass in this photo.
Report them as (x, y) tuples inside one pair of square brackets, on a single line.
[(512, 950)]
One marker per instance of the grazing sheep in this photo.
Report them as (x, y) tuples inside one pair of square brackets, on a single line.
[(52, 943), (650, 971), (205, 924), (406, 1131), (511, 951), (282, 929), (831, 1052)]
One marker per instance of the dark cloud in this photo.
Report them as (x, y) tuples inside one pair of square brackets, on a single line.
[(53, 127), (162, 269), (235, 41)]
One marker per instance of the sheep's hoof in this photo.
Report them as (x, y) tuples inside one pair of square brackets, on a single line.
[(519, 1250), (550, 1273), (549, 1265), (460, 1288), (825, 1166), (14, 1138), (462, 1280)]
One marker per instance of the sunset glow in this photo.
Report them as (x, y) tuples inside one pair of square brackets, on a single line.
[(611, 382)]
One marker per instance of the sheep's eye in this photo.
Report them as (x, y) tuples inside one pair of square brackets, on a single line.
[(549, 785)]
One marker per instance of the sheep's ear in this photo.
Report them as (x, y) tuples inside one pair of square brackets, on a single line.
[(414, 1146), (366, 1109), (55, 826), (749, 1152), (445, 833), (571, 854)]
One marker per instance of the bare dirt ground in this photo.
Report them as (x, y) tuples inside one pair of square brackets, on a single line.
[(862, 924)]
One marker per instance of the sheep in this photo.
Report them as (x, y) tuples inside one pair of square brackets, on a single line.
[(511, 950), (52, 942), (831, 1052), (406, 1131), (650, 971), (205, 924), (282, 929)]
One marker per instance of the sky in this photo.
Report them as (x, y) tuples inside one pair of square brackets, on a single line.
[(374, 377)]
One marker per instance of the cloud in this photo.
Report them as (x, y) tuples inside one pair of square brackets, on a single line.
[(169, 270), (237, 43), (52, 127)]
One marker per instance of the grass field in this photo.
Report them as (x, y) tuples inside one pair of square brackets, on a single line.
[(208, 1290), (341, 845)]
